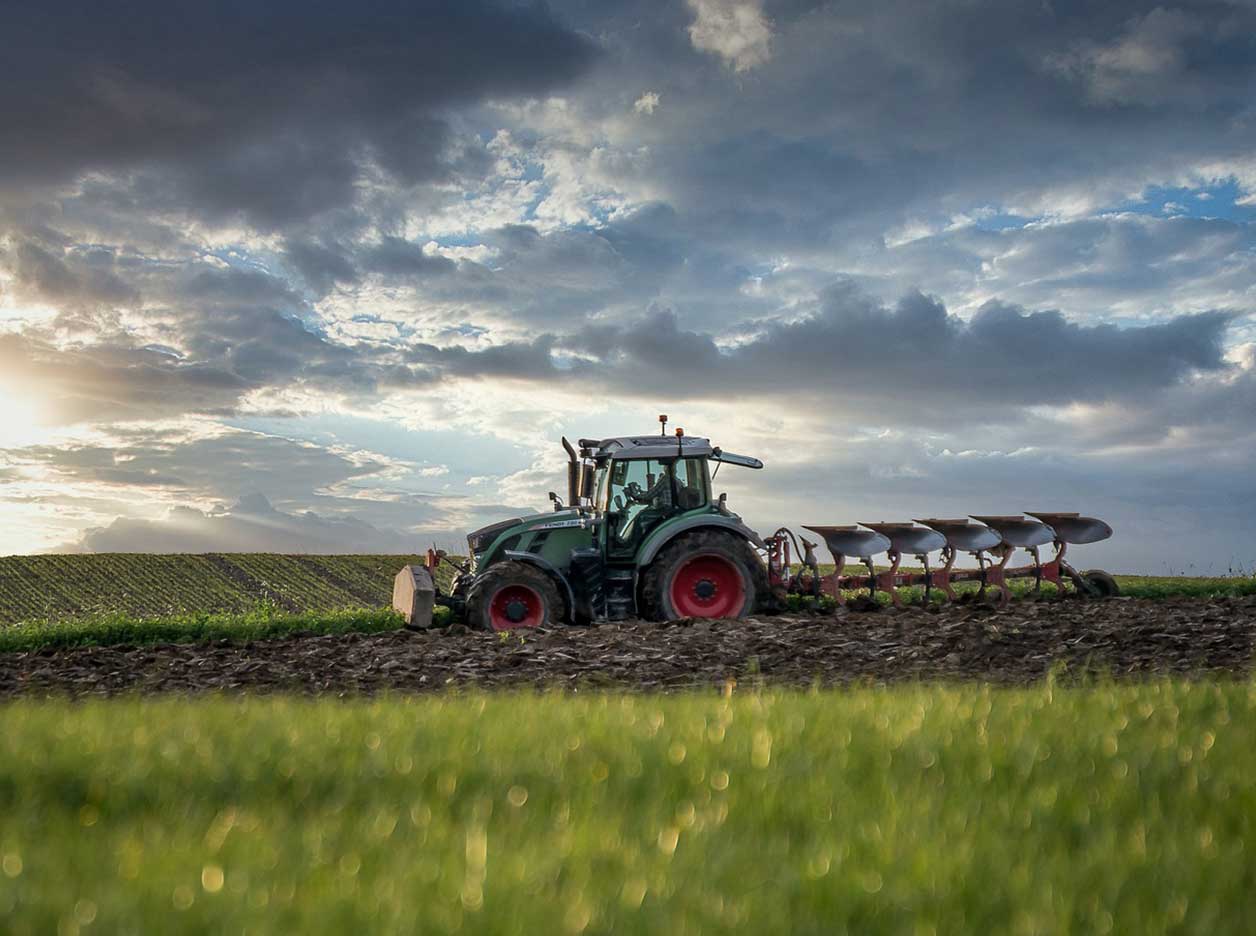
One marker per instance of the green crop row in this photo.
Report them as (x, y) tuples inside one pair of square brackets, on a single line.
[(59, 587), (265, 621)]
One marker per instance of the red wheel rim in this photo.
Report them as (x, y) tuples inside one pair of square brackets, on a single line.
[(708, 587), (515, 606)]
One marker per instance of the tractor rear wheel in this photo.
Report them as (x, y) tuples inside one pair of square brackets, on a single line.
[(513, 594), (706, 574)]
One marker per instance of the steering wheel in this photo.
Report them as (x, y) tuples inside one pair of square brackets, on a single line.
[(636, 493), (619, 502)]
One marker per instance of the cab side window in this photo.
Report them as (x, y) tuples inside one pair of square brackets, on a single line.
[(691, 484)]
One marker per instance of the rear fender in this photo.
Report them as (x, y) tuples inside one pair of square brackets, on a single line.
[(659, 538)]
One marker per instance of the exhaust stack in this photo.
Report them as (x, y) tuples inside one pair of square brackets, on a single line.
[(574, 475)]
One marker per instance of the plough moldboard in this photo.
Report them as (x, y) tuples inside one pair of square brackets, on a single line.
[(990, 540)]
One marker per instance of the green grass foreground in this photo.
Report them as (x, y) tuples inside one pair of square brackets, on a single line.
[(264, 622), (1125, 809)]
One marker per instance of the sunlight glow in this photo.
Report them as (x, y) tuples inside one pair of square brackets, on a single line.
[(21, 418)]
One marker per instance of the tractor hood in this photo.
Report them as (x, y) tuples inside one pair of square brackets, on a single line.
[(481, 539)]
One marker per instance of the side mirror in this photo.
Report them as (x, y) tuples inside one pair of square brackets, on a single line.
[(558, 501)]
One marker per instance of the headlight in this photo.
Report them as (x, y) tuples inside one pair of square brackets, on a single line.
[(480, 540)]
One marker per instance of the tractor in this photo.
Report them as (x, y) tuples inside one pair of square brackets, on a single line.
[(639, 536)]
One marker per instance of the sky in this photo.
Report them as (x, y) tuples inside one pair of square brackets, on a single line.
[(334, 277)]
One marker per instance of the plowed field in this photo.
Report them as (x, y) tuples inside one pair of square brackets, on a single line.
[(1022, 644)]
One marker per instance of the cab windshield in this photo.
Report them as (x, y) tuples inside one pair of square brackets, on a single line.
[(640, 493)]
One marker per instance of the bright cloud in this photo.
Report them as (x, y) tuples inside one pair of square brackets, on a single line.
[(646, 103), (735, 30)]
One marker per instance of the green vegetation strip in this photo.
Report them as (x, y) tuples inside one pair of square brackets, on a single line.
[(153, 586), (1146, 586), (1126, 809), (1152, 587), (265, 622)]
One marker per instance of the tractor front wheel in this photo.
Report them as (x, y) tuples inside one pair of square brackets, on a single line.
[(707, 574), (513, 594)]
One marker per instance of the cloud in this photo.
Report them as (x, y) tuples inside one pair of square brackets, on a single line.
[(108, 381), (398, 258), (250, 525), (231, 333), (867, 116), (736, 30), (203, 461), (1138, 66), (271, 111), (193, 486), (67, 278), (1114, 267), (913, 363), (646, 103)]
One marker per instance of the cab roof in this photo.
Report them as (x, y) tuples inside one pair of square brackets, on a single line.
[(649, 446)]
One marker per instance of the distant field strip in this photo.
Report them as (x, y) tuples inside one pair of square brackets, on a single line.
[(147, 586), (918, 809), (139, 585)]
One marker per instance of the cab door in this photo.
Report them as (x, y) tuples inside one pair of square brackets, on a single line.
[(641, 495)]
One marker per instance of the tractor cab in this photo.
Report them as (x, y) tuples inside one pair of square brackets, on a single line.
[(641, 482)]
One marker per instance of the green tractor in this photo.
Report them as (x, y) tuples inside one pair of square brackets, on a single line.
[(640, 536)]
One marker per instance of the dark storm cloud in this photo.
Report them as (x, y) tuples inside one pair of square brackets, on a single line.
[(907, 363), (268, 109), (400, 258), (81, 276), (914, 360), (515, 360), (321, 265), (867, 114)]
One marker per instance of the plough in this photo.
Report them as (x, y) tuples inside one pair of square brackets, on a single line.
[(990, 540)]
